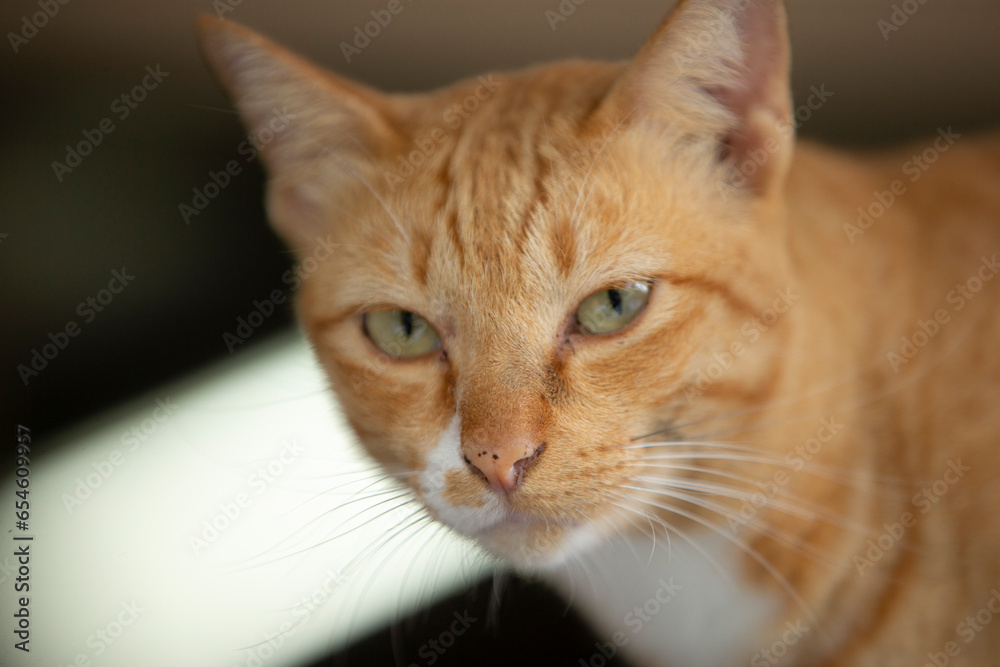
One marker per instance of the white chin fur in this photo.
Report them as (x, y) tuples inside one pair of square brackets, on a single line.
[(530, 552), (522, 544), (447, 456)]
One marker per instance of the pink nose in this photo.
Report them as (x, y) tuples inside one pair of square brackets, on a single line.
[(503, 467)]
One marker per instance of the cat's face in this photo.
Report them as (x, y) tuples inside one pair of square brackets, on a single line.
[(531, 274)]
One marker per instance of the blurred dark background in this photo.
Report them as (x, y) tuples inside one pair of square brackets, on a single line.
[(62, 235)]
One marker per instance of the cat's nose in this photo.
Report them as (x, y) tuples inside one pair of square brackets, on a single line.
[(503, 466)]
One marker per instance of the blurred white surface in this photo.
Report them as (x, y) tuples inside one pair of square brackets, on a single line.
[(228, 520)]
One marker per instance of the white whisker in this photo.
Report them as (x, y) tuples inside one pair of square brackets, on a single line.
[(747, 549)]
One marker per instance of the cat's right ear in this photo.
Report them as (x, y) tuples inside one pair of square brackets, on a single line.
[(716, 72), (314, 130)]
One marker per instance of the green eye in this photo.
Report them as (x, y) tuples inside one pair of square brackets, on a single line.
[(400, 333), (611, 309)]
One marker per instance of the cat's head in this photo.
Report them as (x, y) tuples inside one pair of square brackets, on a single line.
[(533, 275)]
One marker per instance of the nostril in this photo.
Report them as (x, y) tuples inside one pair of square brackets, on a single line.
[(525, 463)]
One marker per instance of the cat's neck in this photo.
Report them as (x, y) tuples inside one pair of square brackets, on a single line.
[(886, 253)]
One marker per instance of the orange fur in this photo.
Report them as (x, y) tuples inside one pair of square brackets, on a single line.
[(571, 177)]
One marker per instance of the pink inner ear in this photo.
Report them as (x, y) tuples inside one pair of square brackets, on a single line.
[(744, 136), (763, 70), (295, 215), (761, 85)]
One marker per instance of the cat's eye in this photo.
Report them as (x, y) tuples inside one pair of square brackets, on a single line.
[(610, 310), (400, 333)]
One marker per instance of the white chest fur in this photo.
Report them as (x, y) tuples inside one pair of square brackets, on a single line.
[(667, 606)]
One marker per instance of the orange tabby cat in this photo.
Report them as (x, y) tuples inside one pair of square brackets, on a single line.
[(736, 395)]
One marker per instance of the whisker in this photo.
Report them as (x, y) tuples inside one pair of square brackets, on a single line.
[(830, 473), (408, 501), (322, 494), (406, 534), (727, 492), (814, 511), (763, 527), (753, 553), (880, 485), (723, 573), (437, 537)]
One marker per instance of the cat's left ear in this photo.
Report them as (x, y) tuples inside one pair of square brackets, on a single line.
[(315, 131), (717, 70)]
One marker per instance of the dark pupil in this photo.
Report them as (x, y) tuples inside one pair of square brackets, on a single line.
[(407, 322), (616, 300)]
